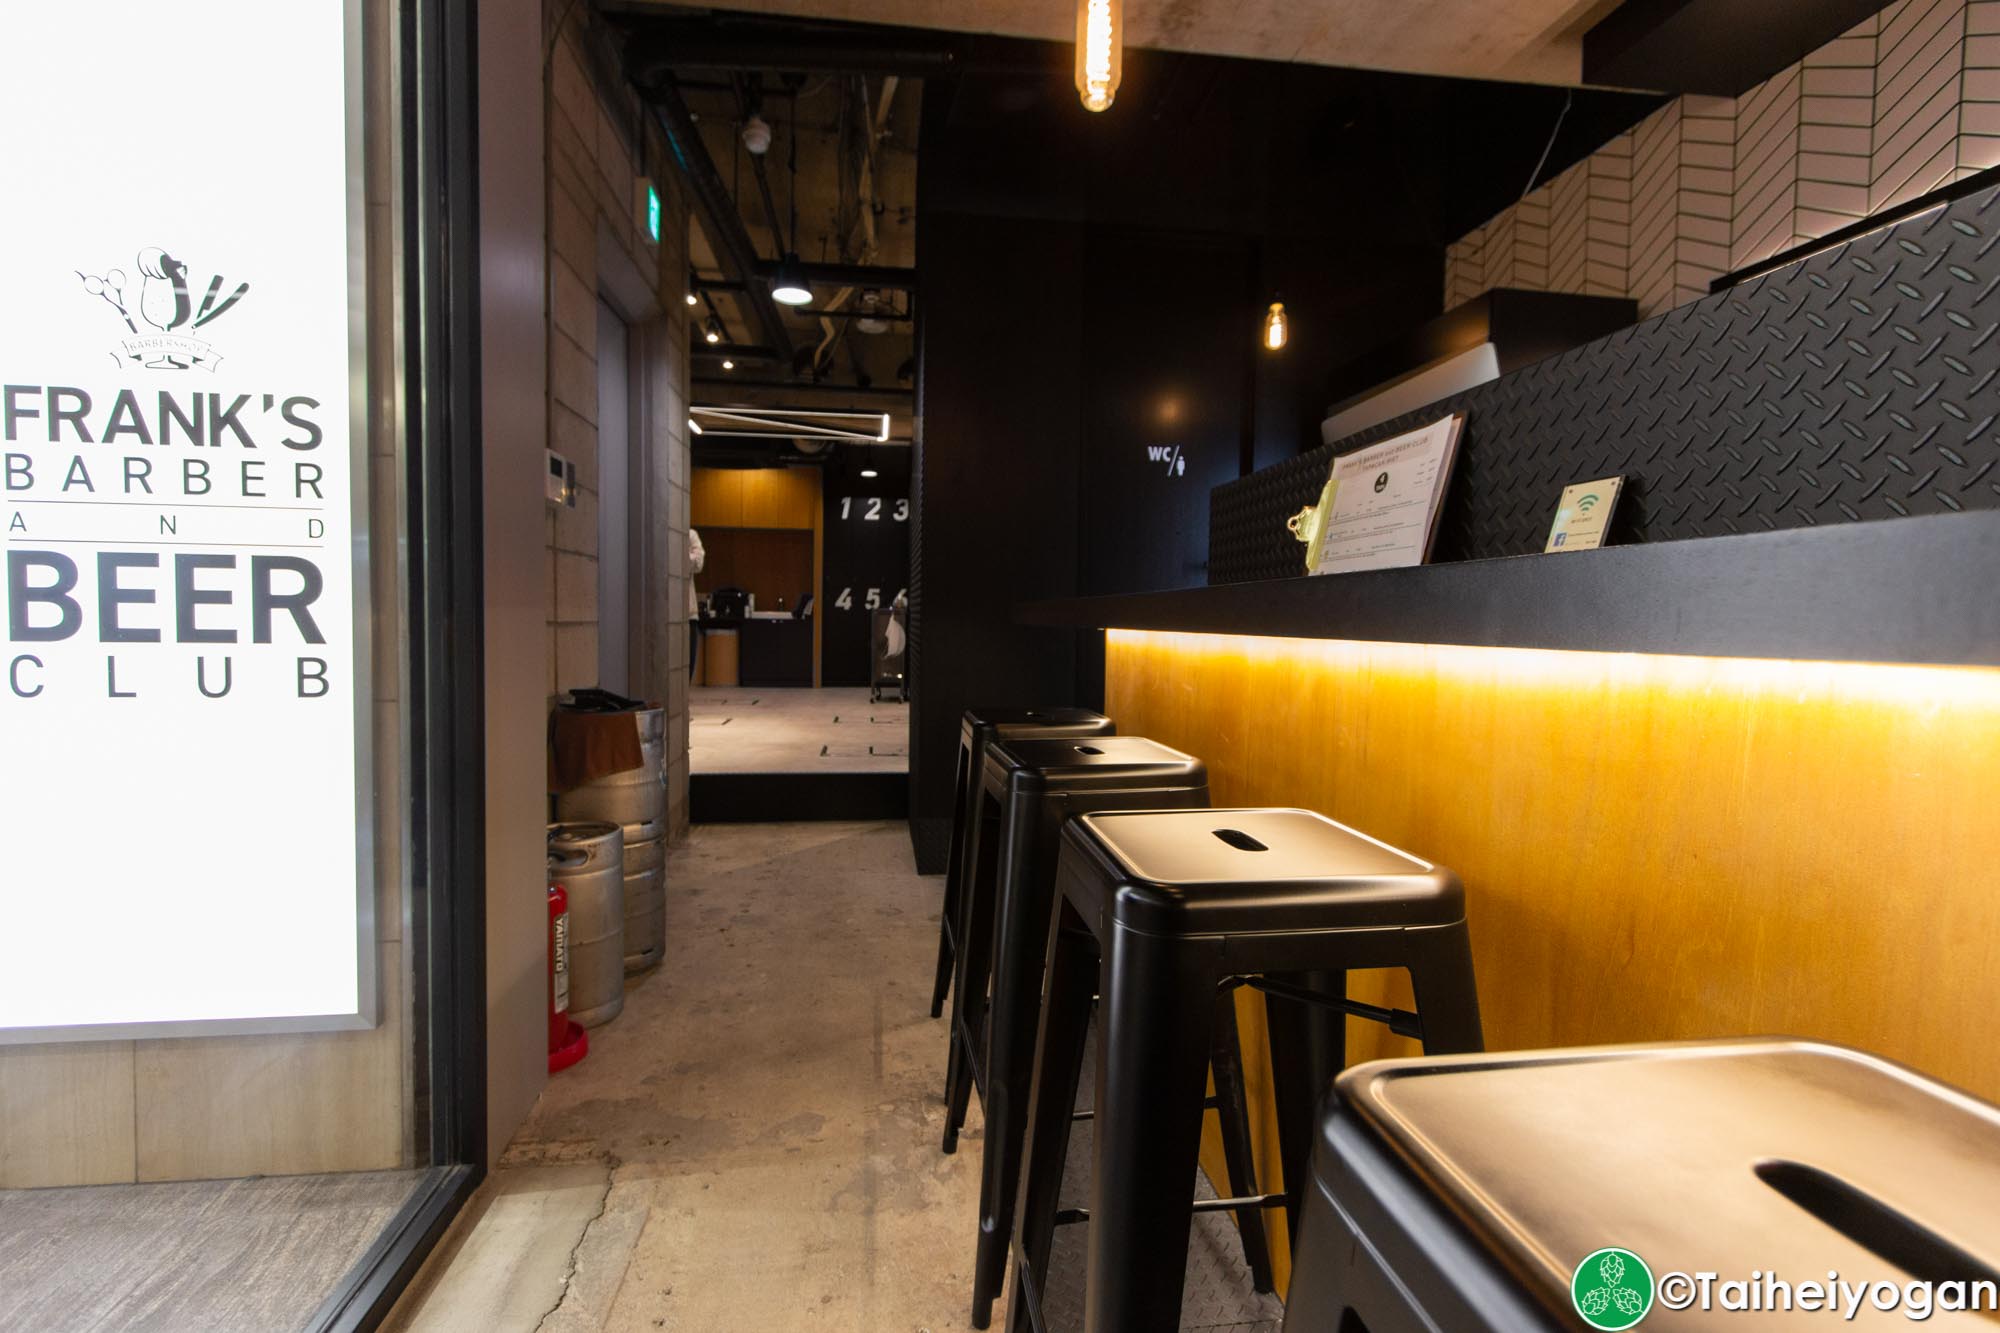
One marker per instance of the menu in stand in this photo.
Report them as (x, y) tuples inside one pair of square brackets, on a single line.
[(1386, 500)]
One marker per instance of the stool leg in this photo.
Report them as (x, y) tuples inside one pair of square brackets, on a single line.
[(1232, 1108), (1020, 950), (1156, 1008), (975, 961), (1447, 997), (962, 811), (1308, 1047), (1063, 1031)]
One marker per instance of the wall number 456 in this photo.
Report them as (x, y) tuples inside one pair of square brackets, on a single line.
[(873, 601)]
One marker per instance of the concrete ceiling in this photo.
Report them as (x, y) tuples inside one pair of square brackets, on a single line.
[(1528, 41)]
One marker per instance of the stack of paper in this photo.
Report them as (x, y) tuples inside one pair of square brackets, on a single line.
[(1387, 499)]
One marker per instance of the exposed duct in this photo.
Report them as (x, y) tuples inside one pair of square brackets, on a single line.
[(720, 218), (660, 46)]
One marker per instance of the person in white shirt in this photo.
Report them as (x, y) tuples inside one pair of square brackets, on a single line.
[(697, 557)]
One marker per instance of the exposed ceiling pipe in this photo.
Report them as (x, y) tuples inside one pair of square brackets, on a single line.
[(720, 218), (853, 275), (734, 352), (659, 47), (873, 126)]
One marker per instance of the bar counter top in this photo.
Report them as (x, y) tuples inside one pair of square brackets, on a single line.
[(1913, 590)]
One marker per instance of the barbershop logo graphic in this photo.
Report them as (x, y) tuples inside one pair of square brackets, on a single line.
[(1612, 1289), (161, 300)]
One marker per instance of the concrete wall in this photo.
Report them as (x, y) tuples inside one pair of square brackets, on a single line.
[(601, 147), (513, 281), (1905, 102)]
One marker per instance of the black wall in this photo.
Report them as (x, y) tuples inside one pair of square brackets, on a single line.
[(1093, 291)]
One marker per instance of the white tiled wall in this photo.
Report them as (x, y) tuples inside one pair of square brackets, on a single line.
[(1904, 102)]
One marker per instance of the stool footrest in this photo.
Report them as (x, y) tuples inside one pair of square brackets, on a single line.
[(1400, 1021), (1207, 1104), (1071, 1216)]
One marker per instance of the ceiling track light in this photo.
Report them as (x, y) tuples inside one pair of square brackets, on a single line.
[(1100, 51), (711, 332)]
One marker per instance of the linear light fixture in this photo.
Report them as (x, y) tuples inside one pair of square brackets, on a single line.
[(787, 423)]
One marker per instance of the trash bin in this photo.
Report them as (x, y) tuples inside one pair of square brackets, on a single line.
[(1591, 1188), (719, 656), (588, 860)]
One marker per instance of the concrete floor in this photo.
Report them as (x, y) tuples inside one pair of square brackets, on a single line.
[(753, 1143), (835, 730)]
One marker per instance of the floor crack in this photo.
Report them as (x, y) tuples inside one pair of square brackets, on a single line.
[(570, 1265)]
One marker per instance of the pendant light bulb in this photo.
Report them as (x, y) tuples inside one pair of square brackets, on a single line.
[(1100, 49), (1277, 327), (712, 333), (788, 284)]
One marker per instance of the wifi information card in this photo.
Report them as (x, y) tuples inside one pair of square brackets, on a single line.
[(1583, 515)]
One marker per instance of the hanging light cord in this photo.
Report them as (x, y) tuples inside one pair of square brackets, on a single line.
[(1549, 147), (792, 153)]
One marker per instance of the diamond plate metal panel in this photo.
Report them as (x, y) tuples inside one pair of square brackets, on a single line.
[(1857, 384)]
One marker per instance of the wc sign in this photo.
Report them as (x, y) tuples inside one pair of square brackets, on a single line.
[(184, 679)]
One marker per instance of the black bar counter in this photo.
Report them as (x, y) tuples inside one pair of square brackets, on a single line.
[(1914, 590)]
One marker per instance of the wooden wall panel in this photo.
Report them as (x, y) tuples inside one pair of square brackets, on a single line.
[(66, 1114), (769, 497), (1652, 847), (213, 1107), (776, 564)]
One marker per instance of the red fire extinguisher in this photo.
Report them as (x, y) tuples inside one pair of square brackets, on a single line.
[(568, 1042)]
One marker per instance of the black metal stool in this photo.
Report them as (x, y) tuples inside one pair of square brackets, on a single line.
[(1178, 906), (1028, 790), (1442, 1197), (978, 728)]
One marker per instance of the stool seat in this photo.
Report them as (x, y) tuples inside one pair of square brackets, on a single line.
[(1085, 764), (1049, 720), (1201, 871), (1464, 1192)]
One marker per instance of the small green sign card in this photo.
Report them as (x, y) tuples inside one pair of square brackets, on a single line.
[(1583, 515)]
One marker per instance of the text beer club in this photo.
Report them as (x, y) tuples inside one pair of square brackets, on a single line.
[(106, 456)]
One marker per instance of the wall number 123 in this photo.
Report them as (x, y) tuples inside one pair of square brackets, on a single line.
[(873, 511)]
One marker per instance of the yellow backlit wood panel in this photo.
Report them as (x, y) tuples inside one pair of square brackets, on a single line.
[(1652, 847)]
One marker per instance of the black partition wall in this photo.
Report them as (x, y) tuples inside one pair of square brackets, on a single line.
[(1088, 341), (1856, 383)]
